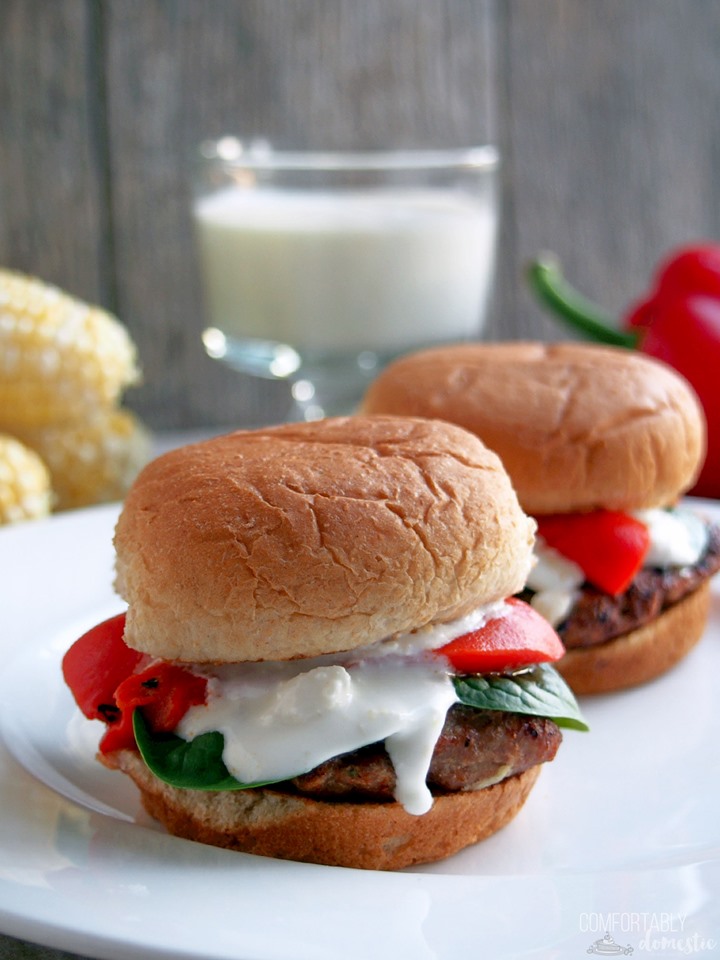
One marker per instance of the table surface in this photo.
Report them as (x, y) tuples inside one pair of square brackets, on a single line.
[(10, 947)]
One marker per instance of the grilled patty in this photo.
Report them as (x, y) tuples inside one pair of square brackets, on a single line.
[(475, 749), (597, 616)]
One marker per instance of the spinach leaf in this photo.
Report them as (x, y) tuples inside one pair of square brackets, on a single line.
[(191, 764), (540, 691), (198, 765)]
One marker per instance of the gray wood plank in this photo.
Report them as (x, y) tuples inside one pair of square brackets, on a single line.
[(606, 115), (52, 203), (611, 133), (314, 73)]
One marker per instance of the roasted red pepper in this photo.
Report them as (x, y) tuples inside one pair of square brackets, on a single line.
[(94, 666), (107, 681), (677, 322), (165, 691), (608, 546), (519, 638)]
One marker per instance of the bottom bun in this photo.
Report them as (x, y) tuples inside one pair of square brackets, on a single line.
[(642, 654), (371, 836)]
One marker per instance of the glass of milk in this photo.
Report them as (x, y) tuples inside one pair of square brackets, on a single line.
[(319, 268)]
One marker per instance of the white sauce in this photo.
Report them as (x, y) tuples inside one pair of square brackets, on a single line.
[(678, 538), (283, 719), (555, 580)]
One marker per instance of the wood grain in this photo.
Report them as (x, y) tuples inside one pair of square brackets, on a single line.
[(607, 125), (53, 218), (314, 73), (610, 136)]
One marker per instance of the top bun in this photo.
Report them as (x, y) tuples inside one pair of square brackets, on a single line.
[(312, 538), (578, 427)]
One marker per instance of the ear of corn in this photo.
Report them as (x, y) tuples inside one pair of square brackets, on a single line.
[(94, 460), (63, 368), (60, 359), (25, 491)]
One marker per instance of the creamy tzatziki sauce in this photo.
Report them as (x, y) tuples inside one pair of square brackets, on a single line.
[(282, 719), (678, 538)]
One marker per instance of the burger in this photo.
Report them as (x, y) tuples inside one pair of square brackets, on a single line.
[(600, 444), (321, 657)]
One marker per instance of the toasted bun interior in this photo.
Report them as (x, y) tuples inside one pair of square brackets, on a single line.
[(313, 538), (642, 654), (371, 836), (577, 426)]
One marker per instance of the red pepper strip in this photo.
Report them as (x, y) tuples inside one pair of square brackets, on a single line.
[(99, 669), (119, 734), (607, 545), (164, 691), (94, 666), (519, 638)]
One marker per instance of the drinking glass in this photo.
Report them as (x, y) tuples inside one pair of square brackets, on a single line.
[(321, 267)]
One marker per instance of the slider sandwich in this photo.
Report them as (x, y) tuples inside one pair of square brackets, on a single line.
[(319, 660), (600, 444)]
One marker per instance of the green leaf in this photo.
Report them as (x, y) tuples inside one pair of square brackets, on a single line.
[(191, 764), (198, 765), (539, 692)]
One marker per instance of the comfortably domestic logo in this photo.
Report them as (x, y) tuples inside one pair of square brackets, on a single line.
[(606, 947), (660, 933)]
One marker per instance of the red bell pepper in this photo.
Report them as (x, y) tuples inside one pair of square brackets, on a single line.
[(104, 676), (96, 664), (519, 638), (165, 691), (677, 322), (607, 545)]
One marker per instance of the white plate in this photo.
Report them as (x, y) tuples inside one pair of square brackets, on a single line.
[(621, 834)]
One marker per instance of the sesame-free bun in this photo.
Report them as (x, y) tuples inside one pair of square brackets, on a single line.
[(642, 654), (577, 426), (370, 836), (312, 538)]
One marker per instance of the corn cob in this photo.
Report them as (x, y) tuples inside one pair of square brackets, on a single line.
[(94, 460), (60, 359), (24, 483)]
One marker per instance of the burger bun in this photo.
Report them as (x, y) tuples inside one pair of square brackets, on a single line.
[(370, 836), (577, 426), (314, 538)]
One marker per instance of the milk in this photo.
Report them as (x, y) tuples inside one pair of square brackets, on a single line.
[(341, 273)]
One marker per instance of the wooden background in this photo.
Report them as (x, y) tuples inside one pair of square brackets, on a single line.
[(607, 115)]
